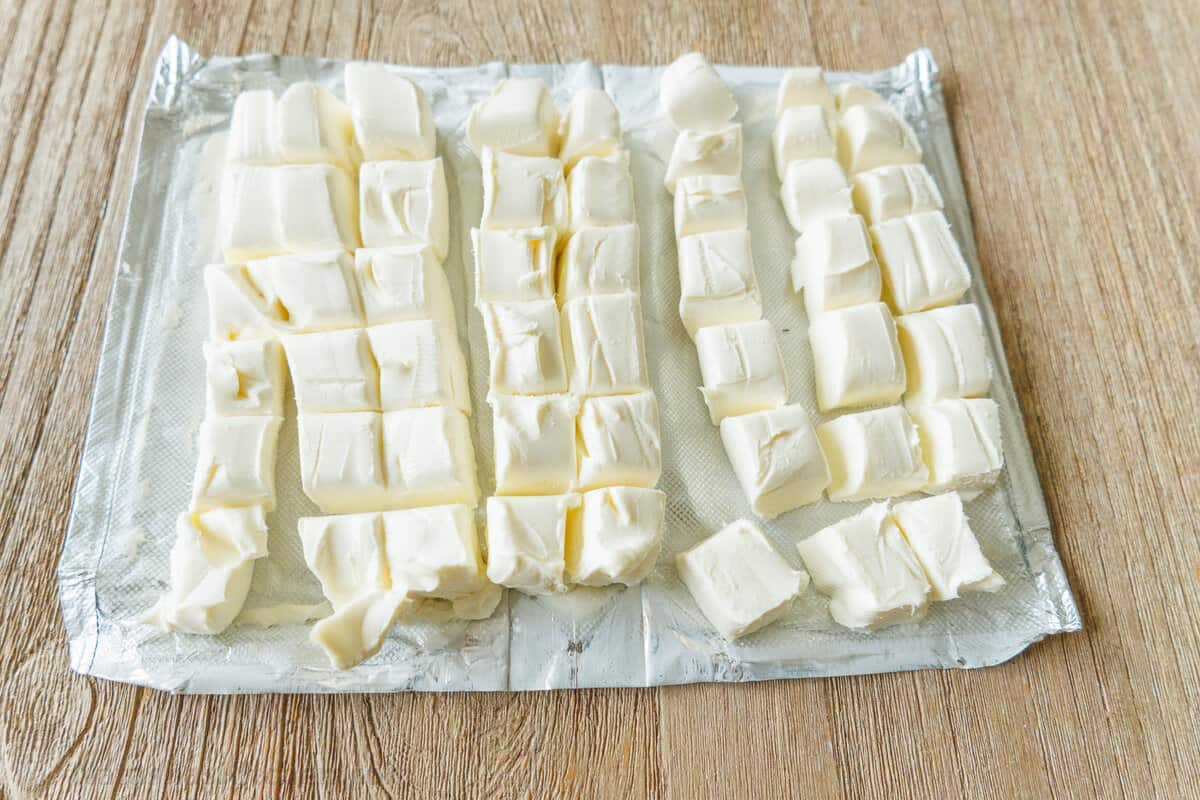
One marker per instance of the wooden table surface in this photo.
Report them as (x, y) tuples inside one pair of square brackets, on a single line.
[(1076, 125)]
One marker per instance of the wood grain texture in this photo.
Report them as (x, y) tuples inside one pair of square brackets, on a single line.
[(1075, 124)]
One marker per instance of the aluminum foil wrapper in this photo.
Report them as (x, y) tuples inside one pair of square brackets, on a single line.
[(137, 464)]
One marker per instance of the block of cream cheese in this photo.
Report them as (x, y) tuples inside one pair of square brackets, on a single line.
[(237, 308), (856, 357), (346, 553), (428, 458), (813, 189), (518, 117), (333, 371), (534, 443), (870, 573), (835, 265), (513, 265), (524, 348), (962, 443), (604, 347), (307, 125), (252, 130), (434, 551), (235, 465), (693, 96), (872, 454), (709, 203), (600, 192), (875, 136), (885, 193), (717, 284), (945, 353), (341, 466), (939, 534), (420, 364), (599, 261), (739, 580), (922, 265), (402, 283), (618, 441), (803, 86), (526, 538), (245, 377), (615, 536), (716, 152), (849, 95), (523, 192), (309, 291), (392, 118), (802, 132), (741, 368), (776, 458), (404, 202), (591, 127)]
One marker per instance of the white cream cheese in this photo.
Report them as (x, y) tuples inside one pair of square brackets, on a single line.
[(946, 354), (706, 203), (835, 265), (404, 202), (523, 192), (962, 443), (591, 127), (716, 152), (245, 378), (741, 368), (776, 458), (391, 115), (526, 539), (803, 86), (600, 192), (717, 284), (856, 357), (813, 189), (619, 441), (871, 136), (402, 283), (922, 265), (693, 96), (534, 443), (514, 265), (333, 371), (518, 117), (885, 193), (605, 352), (599, 261), (235, 465), (941, 537), (802, 132), (524, 348), (872, 454), (614, 536)]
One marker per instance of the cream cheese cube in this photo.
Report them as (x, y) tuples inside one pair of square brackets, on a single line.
[(307, 125), (939, 534), (523, 192), (696, 152), (835, 265), (870, 573), (739, 580), (856, 357), (526, 538), (872, 136), (706, 203), (405, 202), (309, 291), (802, 132), (524, 348), (253, 138), (605, 352), (813, 189), (693, 96), (428, 458), (599, 261), (885, 193), (237, 308), (235, 465), (600, 192), (849, 95), (245, 377), (776, 458), (341, 467), (615, 536), (518, 117), (922, 265), (333, 371), (402, 283), (945, 353), (741, 368), (803, 86), (962, 443), (717, 284), (392, 118), (420, 364), (591, 127), (346, 552), (354, 633), (534, 443), (434, 551), (514, 265), (618, 441), (872, 454)]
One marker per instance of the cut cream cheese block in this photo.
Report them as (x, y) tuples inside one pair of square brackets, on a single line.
[(835, 265), (741, 368), (599, 261), (941, 537), (871, 136), (434, 551), (776, 458), (600, 192), (716, 152), (245, 377), (872, 455), (523, 192), (856, 357), (526, 538), (306, 125), (341, 461), (962, 443), (237, 308), (717, 284), (401, 283), (813, 189), (428, 458), (518, 117), (619, 441), (591, 127), (347, 554), (614, 536), (849, 95), (514, 265), (404, 202), (308, 291), (922, 265), (885, 193), (524, 348), (333, 371), (706, 203), (534, 443), (235, 465), (604, 347), (945, 353), (391, 115), (802, 132), (693, 96), (420, 364), (803, 86)]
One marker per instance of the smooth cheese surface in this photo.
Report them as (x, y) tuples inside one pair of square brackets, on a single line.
[(402, 282), (235, 463), (514, 265), (945, 353), (534, 443), (870, 136), (341, 461), (741, 368), (849, 95), (777, 459), (856, 357), (941, 537), (306, 125), (696, 152), (873, 455), (404, 202), (706, 203), (600, 192), (619, 442), (333, 371), (391, 115), (803, 86), (527, 542), (599, 261), (591, 126), (813, 189), (524, 348), (717, 282), (308, 292), (434, 551), (518, 117), (693, 96), (523, 192), (420, 364), (885, 193), (428, 458), (245, 378), (835, 265), (605, 350), (922, 265), (802, 132), (962, 443), (615, 536)]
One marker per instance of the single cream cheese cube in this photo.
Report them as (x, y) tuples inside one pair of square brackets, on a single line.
[(253, 138), (523, 192), (235, 465), (696, 152), (849, 95), (803, 86), (534, 443), (428, 457), (802, 132), (856, 357), (347, 554), (518, 117), (604, 347), (514, 265), (941, 537), (868, 570), (872, 454), (591, 127), (962, 443), (709, 203), (237, 307), (405, 202), (314, 127), (871, 136), (776, 458), (245, 377), (524, 348), (693, 96), (333, 371), (526, 542), (341, 467), (813, 189), (945, 353), (392, 118), (401, 283), (885, 193), (434, 551), (717, 284), (599, 261), (420, 364), (835, 265), (309, 291), (922, 265), (741, 368), (600, 192), (618, 441), (739, 580), (615, 536)]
